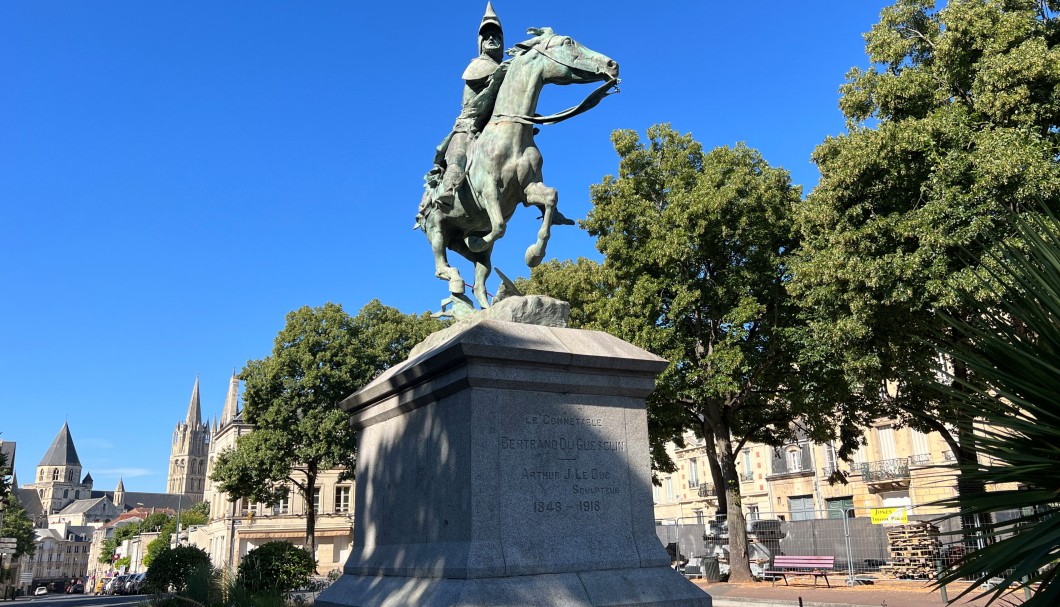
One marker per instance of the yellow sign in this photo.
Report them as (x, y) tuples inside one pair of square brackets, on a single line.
[(889, 516)]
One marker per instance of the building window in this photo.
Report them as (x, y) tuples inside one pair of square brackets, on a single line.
[(801, 507), (55, 474), (794, 463), (283, 504), (693, 473), (752, 512), (316, 499), (921, 448), (668, 489), (886, 438), (830, 463), (66, 493), (40, 476), (342, 499), (838, 507)]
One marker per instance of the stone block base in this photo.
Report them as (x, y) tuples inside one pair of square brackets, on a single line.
[(634, 587)]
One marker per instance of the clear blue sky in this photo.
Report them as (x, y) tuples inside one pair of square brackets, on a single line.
[(176, 177)]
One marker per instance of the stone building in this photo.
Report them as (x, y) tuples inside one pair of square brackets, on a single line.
[(62, 555), (898, 467), (237, 527)]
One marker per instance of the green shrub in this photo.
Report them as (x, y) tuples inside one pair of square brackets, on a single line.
[(276, 567), (174, 566)]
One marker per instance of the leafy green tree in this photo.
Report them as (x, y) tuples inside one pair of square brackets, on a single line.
[(956, 123), (18, 525), (174, 566), (155, 546), (695, 251), (276, 567), (387, 335), (5, 474), (1013, 352), (166, 527), (582, 283), (320, 357), (198, 514)]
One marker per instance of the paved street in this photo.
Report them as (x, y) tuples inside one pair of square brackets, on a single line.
[(888, 593), (77, 600)]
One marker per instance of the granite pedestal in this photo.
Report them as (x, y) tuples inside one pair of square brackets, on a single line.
[(508, 465)]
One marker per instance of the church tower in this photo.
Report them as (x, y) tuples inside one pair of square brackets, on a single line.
[(226, 431), (58, 479), (187, 459)]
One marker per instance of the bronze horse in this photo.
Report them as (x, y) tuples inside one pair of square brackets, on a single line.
[(504, 163)]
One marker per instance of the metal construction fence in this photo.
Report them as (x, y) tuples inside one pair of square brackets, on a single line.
[(907, 547)]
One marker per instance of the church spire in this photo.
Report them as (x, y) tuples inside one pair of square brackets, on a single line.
[(231, 409), (62, 451), (194, 417)]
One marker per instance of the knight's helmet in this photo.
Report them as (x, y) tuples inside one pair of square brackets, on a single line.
[(489, 21)]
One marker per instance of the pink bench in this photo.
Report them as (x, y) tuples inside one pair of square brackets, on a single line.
[(785, 565)]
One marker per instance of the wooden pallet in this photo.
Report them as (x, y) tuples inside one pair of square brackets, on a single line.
[(913, 549)]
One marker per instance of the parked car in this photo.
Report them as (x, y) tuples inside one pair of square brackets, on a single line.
[(135, 584), (115, 585), (77, 588), (101, 584), (40, 590)]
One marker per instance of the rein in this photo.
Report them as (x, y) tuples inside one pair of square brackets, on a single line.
[(590, 101)]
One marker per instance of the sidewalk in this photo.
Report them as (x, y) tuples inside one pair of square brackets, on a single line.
[(881, 594)]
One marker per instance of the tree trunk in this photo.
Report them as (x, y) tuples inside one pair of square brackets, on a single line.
[(739, 561), (716, 476), (967, 457), (310, 511)]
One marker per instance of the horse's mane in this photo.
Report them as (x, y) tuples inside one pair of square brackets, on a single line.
[(540, 34)]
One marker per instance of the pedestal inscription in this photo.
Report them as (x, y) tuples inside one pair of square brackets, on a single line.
[(565, 486), (555, 464)]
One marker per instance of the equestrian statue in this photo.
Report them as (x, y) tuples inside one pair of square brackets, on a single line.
[(489, 163)]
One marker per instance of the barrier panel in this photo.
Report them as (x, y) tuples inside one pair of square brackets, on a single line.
[(889, 545)]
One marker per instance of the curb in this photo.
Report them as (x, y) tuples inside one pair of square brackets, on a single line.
[(751, 602)]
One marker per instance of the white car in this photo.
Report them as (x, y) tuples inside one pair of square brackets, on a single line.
[(40, 590)]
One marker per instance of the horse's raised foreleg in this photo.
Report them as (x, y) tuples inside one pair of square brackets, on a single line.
[(540, 195)]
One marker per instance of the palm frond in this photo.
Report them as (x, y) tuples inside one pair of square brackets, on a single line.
[(1012, 349)]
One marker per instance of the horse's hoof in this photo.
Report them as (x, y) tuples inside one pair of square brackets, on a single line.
[(476, 244), (534, 255), (456, 286)]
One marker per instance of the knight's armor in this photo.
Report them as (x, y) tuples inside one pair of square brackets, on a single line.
[(481, 82)]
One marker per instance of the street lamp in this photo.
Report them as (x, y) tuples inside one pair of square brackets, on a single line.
[(140, 539), (180, 496)]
